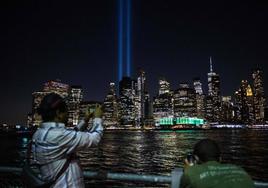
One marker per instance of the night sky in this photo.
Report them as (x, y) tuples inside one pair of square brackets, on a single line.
[(76, 42)]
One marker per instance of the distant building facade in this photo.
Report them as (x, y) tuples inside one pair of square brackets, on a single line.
[(163, 102), (214, 99), (127, 93), (200, 98), (57, 87), (140, 116), (258, 95), (184, 101), (74, 100), (110, 106), (227, 110)]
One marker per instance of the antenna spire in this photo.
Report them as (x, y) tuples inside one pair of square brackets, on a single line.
[(210, 60)]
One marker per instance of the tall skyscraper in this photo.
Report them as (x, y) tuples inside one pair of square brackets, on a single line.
[(141, 96), (163, 102), (209, 106), (250, 104), (74, 100), (214, 92), (164, 86), (198, 86), (184, 101), (200, 98), (110, 114), (238, 106), (244, 103), (148, 111), (126, 101), (57, 87), (259, 99), (247, 110), (244, 107), (227, 114), (163, 106)]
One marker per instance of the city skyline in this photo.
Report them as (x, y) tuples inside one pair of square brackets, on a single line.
[(134, 106), (49, 40)]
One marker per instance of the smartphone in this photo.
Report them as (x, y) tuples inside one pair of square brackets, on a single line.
[(190, 158)]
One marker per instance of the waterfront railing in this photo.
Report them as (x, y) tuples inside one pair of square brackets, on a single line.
[(173, 179)]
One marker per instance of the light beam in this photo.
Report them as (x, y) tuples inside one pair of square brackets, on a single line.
[(120, 39), (128, 30)]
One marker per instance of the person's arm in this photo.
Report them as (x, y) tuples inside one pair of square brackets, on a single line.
[(82, 140), (82, 125), (74, 141), (185, 180)]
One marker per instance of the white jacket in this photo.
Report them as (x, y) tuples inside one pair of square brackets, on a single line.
[(52, 143)]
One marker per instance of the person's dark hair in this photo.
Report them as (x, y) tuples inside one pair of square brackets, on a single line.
[(207, 150), (49, 106)]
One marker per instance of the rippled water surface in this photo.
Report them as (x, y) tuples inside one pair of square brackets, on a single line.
[(158, 152)]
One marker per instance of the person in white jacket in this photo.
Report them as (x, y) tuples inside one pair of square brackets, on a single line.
[(53, 143)]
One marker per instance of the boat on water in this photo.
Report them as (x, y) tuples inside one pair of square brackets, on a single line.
[(227, 126), (258, 126)]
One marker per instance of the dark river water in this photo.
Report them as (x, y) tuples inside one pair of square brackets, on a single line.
[(157, 152)]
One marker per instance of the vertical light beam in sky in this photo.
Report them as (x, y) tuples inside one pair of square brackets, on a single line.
[(124, 38), (128, 42), (120, 39)]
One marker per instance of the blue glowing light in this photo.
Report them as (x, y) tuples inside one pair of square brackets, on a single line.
[(120, 39), (129, 37), (124, 38)]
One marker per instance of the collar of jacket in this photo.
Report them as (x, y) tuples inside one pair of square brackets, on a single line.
[(52, 125)]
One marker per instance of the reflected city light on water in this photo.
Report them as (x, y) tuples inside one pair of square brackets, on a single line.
[(159, 152)]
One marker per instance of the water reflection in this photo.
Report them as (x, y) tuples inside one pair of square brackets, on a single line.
[(159, 152)]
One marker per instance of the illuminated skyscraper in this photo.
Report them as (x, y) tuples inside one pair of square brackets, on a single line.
[(163, 106), (164, 86), (247, 110), (258, 94), (163, 103), (126, 101), (244, 107), (148, 111), (200, 98), (238, 106), (250, 104), (74, 100), (184, 101), (214, 93), (141, 97), (110, 107), (209, 105), (198, 86), (57, 87), (244, 103), (227, 111)]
